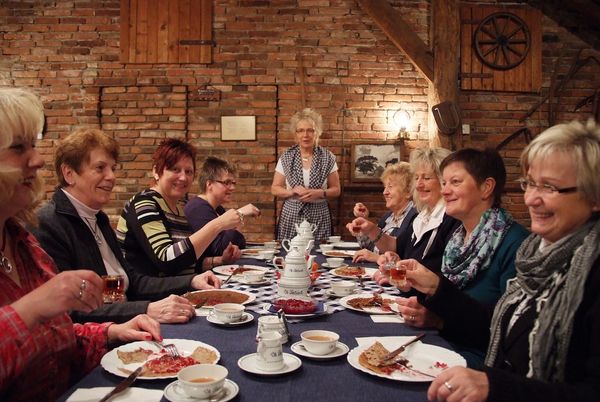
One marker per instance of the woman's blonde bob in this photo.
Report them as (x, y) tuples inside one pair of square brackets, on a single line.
[(22, 119), (311, 116), (581, 142)]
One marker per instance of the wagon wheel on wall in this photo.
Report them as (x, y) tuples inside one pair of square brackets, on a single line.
[(502, 41)]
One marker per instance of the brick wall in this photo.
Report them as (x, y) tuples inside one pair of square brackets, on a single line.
[(68, 52)]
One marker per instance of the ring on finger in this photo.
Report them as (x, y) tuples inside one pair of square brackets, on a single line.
[(412, 318), (80, 294), (83, 285), (449, 386)]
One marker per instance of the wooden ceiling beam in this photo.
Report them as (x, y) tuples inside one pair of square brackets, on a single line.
[(401, 34)]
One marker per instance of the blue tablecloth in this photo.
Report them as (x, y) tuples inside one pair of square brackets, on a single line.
[(332, 380)]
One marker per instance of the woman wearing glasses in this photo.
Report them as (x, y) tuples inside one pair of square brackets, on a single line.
[(153, 231), (217, 185), (542, 338), (306, 176)]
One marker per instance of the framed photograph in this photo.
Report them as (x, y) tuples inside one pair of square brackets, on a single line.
[(238, 128), (369, 160)]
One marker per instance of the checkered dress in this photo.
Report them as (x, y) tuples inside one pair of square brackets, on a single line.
[(295, 211)]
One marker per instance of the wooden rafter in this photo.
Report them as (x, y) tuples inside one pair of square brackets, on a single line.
[(401, 34)]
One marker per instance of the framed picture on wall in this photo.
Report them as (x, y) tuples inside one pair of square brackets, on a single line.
[(238, 128), (369, 160)]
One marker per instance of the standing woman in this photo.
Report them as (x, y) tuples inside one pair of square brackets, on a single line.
[(42, 352), (306, 175), (153, 231)]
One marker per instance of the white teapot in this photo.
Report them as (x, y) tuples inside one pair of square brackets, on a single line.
[(302, 243), (306, 227), (296, 263)]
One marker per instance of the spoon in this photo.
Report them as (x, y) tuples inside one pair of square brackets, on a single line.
[(219, 395)]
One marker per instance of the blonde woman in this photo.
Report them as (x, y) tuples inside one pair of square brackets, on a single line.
[(306, 176)]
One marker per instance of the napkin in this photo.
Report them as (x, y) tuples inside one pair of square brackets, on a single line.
[(378, 318), (131, 394)]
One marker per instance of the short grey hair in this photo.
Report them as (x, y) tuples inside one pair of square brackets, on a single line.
[(578, 140), (430, 157), (309, 115)]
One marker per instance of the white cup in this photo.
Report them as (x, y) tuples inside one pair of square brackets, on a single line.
[(271, 244), (270, 323), (334, 239), (267, 254), (228, 312), (319, 342), (269, 355), (253, 276), (201, 381), (326, 248), (343, 288), (334, 262)]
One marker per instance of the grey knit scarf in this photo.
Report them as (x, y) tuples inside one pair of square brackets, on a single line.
[(555, 280)]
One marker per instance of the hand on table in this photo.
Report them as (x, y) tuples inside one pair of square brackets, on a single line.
[(206, 280), (172, 309), (140, 328), (458, 384), (416, 315), (365, 255)]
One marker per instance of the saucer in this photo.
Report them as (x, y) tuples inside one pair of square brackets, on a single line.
[(340, 350), (246, 318), (339, 266), (248, 363), (259, 283), (173, 395), (331, 293)]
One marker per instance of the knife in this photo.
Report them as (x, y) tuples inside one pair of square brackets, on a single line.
[(401, 349), (123, 385)]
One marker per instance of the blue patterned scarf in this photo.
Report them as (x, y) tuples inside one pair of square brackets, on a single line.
[(462, 261)]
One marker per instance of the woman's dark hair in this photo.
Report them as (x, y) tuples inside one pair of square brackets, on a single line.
[(481, 164), (211, 169), (169, 152)]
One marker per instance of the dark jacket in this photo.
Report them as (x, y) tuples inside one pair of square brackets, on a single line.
[(468, 322), (406, 223), (65, 236), (433, 259)]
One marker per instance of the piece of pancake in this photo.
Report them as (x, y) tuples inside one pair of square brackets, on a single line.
[(371, 358), (139, 355)]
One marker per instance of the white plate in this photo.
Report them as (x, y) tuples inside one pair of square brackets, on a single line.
[(321, 310), (174, 395), (228, 269), (327, 266), (246, 318), (340, 350), (346, 244), (368, 273), (422, 357), (248, 363), (111, 362), (250, 299), (340, 253), (369, 310)]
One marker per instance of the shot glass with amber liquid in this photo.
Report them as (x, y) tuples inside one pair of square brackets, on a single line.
[(114, 288)]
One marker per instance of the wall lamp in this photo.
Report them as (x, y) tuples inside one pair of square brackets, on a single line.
[(402, 120)]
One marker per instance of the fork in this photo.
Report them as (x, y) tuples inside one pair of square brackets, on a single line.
[(170, 348)]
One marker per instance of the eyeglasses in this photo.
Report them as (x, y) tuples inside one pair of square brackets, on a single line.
[(226, 183), (307, 130), (527, 184)]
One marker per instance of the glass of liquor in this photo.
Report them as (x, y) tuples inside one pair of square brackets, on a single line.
[(114, 288), (398, 275), (388, 266)]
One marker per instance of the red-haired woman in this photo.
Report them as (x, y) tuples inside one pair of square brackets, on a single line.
[(153, 231)]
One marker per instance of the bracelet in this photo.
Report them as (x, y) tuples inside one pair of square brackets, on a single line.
[(379, 236), (241, 215)]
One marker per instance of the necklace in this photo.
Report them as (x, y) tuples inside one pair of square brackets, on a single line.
[(4, 261), (305, 158), (94, 229)]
